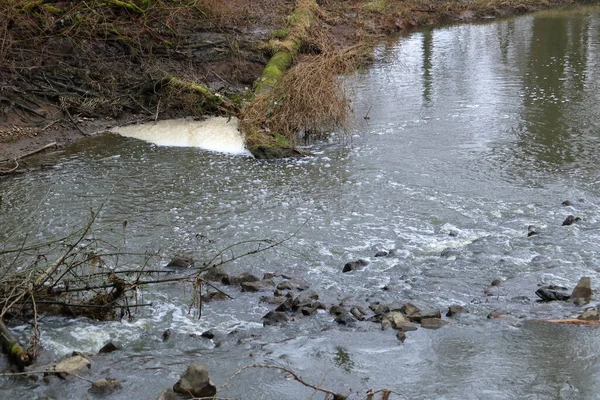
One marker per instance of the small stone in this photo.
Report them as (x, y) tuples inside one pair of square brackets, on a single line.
[(275, 318), (531, 233), (257, 286), (567, 203), (590, 315), (570, 220), (239, 279), (195, 382), (293, 284), (432, 323), (108, 348), (305, 299), (168, 394), (401, 336), (400, 322), (456, 309), (497, 314), (345, 318), (215, 274), (379, 308), (166, 335), (336, 310), (209, 334), (308, 311), (382, 253), (105, 386), (496, 282), (355, 265), (181, 262), (356, 313)]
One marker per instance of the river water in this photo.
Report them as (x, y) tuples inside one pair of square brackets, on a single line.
[(474, 132)]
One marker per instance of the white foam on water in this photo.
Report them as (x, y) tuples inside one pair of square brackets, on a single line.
[(218, 134)]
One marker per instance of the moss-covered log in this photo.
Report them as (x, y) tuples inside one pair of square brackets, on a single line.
[(15, 352), (299, 23)]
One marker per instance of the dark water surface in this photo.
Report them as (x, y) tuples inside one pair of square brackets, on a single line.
[(475, 133)]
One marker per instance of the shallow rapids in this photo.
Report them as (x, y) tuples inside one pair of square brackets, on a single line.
[(475, 132)]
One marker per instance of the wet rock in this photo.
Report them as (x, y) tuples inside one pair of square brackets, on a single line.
[(570, 220), (456, 309), (257, 286), (166, 335), (286, 306), (386, 324), (552, 295), (215, 274), (308, 311), (168, 394), (273, 299), (345, 318), (305, 299), (358, 313), (108, 348), (496, 282), (583, 291), (379, 308), (567, 203), (239, 279), (293, 284), (355, 265), (392, 253), (432, 323), (497, 314), (73, 365), (401, 336), (181, 262), (195, 382), (399, 321), (275, 318), (532, 233), (105, 386), (214, 295), (410, 309), (209, 334), (417, 315), (590, 315), (382, 253), (521, 299), (449, 252), (336, 310)]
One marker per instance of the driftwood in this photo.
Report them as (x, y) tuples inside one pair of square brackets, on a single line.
[(572, 321)]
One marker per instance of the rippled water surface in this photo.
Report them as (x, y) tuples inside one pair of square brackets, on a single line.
[(474, 133)]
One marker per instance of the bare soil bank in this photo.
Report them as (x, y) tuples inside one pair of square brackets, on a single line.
[(70, 69)]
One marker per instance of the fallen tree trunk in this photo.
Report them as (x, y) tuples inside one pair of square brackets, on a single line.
[(15, 352)]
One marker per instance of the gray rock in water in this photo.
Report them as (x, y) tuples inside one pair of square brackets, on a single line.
[(382, 253), (305, 299), (398, 321), (108, 348), (195, 382), (355, 265), (239, 279), (345, 318), (181, 262), (297, 284), (570, 220), (168, 394), (259, 286), (456, 309), (74, 365), (215, 274), (552, 295), (590, 315), (583, 290), (275, 318), (432, 323), (401, 336), (105, 386)]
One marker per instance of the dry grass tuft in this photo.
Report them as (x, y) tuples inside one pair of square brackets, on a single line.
[(311, 98)]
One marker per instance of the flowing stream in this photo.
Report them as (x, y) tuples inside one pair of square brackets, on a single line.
[(472, 133)]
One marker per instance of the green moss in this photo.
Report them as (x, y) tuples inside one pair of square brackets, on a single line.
[(279, 33), (378, 6), (274, 70)]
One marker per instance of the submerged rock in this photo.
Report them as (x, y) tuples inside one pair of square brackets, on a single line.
[(355, 265), (345, 318), (401, 336), (105, 386), (567, 203), (195, 382), (382, 253)]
